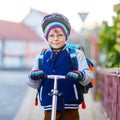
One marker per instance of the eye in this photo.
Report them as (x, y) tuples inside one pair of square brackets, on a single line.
[(51, 36), (60, 35)]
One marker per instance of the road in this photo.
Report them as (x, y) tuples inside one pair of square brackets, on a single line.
[(13, 89)]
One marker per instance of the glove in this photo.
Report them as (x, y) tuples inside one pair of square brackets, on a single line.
[(75, 75), (37, 74), (91, 84)]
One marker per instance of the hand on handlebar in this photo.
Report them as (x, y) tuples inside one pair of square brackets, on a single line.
[(37, 74), (74, 75)]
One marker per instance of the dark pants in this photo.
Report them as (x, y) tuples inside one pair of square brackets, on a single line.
[(69, 115)]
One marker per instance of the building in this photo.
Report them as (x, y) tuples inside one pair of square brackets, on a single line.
[(18, 45)]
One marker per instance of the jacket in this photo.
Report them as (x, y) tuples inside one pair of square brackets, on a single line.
[(59, 63)]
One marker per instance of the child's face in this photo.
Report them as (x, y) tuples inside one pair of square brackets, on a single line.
[(56, 38)]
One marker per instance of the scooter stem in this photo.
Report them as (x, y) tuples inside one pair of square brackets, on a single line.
[(54, 100), (54, 93)]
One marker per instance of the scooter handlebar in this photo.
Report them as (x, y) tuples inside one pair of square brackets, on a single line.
[(56, 76)]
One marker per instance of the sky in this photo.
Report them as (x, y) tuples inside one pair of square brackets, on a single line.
[(98, 10)]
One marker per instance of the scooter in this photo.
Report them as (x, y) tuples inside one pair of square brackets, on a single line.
[(54, 93)]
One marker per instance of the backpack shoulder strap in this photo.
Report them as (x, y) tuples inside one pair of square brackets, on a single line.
[(72, 53), (40, 60), (72, 50), (90, 64)]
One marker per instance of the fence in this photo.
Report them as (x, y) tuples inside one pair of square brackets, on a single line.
[(108, 90)]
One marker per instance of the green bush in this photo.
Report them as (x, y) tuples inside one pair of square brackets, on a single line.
[(109, 44)]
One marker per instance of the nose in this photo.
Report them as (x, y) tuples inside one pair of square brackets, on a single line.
[(55, 37)]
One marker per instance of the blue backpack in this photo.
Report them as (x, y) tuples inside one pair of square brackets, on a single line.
[(72, 50)]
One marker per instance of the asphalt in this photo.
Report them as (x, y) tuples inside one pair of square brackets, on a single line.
[(28, 111)]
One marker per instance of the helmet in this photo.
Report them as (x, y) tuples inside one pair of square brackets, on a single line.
[(56, 17)]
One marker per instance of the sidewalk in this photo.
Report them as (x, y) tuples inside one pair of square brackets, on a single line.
[(28, 111)]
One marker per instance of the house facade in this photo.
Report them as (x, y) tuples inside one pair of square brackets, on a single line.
[(18, 45)]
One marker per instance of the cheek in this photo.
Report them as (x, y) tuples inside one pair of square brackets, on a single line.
[(63, 41), (49, 41)]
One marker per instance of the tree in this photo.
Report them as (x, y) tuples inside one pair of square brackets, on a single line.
[(109, 43)]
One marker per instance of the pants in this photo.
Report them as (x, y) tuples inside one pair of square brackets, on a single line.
[(69, 115)]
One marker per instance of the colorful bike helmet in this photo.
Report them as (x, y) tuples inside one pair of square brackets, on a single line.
[(56, 17)]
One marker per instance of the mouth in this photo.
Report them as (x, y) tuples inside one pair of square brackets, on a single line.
[(56, 43)]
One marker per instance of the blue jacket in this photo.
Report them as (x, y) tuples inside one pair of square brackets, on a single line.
[(60, 63)]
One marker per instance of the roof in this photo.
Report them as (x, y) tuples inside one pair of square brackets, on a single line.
[(42, 14), (12, 30)]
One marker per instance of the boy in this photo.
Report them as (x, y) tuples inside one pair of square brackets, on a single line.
[(57, 61)]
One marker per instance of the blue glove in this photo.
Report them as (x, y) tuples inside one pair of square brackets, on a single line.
[(75, 75), (37, 74)]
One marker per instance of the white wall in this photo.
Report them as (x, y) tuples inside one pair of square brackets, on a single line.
[(15, 47), (34, 20), (14, 52)]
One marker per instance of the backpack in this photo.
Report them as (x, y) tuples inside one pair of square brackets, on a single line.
[(72, 50)]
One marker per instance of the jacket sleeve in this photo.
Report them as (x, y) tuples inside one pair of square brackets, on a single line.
[(84, 68), (33, 83)]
